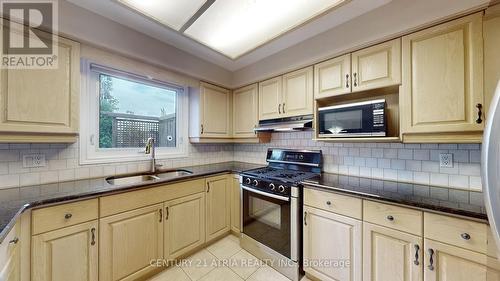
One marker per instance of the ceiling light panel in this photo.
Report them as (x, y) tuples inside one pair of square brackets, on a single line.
[(235, 27), (172, 13)]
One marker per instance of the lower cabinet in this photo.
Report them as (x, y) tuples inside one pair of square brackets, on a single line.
[(129, 241), (332, 246), (69, 253), (10, 256), (184, 225), (391, 255), (218, 206), (235, 204)]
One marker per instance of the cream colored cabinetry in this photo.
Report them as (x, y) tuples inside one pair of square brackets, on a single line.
[(331, 237), (442, 93), (235, 205), (391, 255), (245, 111), (184, 225), (70, 253), (215, 111), (374, 67), (129, 241), (287, 95), (218, 206), (10, 256), (42, 105), (491, 34)]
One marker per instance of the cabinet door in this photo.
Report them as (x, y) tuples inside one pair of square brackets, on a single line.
[(450, 263), (43, 101), (129, 241), (391, 255), (332, 77), (236, 204), (270, 96), (10, 255), (443, 77), (298, 93), (376, 67), (245, 111), (491, 33), (331, 237), (218, 206), (184, 225), (66, 254), (215, 111)]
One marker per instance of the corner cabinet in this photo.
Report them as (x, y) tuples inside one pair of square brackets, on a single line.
[(442, 94), (42, 105), (218, 206), (245, 111)]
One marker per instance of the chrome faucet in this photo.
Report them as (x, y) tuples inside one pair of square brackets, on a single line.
[(150, 149)]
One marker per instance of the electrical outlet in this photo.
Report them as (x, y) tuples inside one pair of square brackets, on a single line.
[(34, 160), (446, 160)]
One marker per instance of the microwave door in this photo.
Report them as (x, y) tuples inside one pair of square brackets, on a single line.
[(344, 122)]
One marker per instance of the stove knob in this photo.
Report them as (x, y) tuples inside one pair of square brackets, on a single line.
[(272, 186), (255, 182), (281, 188), (248, 180)]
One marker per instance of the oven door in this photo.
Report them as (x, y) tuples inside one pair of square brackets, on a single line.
[(267, 218)]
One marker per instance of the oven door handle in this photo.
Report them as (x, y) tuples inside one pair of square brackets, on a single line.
[(282, 198)]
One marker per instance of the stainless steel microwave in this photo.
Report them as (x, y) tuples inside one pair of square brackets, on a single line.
[(361, 119)]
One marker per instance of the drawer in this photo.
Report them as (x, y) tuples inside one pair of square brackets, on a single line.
[(399, 218), (335, 203), (50, 218), (463, 233)]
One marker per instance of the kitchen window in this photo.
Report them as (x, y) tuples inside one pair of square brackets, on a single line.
[(121, 110)]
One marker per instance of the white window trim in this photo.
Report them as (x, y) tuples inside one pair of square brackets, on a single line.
[(90, 153)]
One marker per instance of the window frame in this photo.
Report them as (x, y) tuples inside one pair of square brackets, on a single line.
[(90, 153)]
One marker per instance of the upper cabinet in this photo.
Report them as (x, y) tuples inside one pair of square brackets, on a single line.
[(245, 111), (42, 105), (215, 108), (442, 93), (287, 95), (374, 67)]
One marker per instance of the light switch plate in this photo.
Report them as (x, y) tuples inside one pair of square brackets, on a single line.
[(446, 160), (34, 160)]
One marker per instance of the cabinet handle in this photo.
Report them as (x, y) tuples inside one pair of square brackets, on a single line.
[(355, 79), (465, 236), (161, 214), (92, 231), (166, 217), (390, 218), (328, 203), (14, 241), (417, 249), (283, 108), (279, 108), (431, 259), (68, 216), (202, 128), (479, 113), (208, 187), (305, 218), (347, 80)]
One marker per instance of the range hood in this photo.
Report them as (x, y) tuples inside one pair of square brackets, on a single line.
[(297, 123)]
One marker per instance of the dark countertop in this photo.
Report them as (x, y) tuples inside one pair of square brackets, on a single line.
[(454, 202), (14, 201)]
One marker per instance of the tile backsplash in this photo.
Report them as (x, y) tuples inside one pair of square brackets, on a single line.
[(413, 163)]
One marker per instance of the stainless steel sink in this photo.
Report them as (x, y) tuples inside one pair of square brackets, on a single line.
[(135, 179)]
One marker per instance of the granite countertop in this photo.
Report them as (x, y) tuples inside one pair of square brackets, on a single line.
[(14, 201), (438, 199)]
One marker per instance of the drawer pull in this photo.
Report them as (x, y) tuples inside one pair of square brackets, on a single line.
[(465, 236), (417, 249), (68, 216), (431, 259), (14, 241), (92, 231), (328, 203), (390, 218)]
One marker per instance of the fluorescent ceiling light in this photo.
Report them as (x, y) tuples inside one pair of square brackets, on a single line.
[(235, 27), (172, 13)]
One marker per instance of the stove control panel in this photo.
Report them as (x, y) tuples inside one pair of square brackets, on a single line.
[(268, 186)]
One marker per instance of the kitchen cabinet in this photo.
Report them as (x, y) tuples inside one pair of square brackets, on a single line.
[(70, 253), (184, 225), (10, 256), (129, 241), (235, 204), (377, 67), (245, 111), (442, 92), (215, 111), (491, 34), (298, 93), (331, 237), (42, 105), (218, 204), (391, 255), (270, 98), (332, 77)]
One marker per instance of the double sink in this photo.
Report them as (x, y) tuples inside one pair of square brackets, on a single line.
[(146, 177)]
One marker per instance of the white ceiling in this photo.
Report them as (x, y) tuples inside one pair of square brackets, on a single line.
[(117, 12)]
